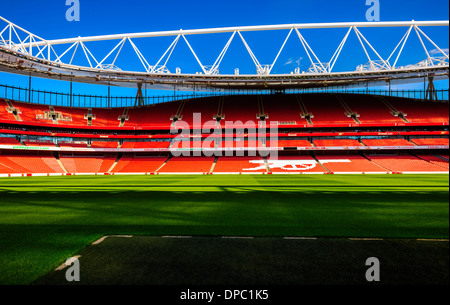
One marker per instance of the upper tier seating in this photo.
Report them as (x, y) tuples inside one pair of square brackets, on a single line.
[(326, 109), (370, 109), (283, 109), (207, 107), (158, 115), (422, 112), (240, 108), (5, 114)]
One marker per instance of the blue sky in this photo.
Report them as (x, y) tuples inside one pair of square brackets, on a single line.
[(47, 18)]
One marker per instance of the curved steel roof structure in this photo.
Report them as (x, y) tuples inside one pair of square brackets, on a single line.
[(25, 53)]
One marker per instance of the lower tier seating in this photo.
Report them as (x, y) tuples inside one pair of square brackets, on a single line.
[(240, 165), (29, 164), (406, 163), (188, 165), (295, 165), (387, 142), (91, 164), (139, 164), (47, 163), (350, 164)]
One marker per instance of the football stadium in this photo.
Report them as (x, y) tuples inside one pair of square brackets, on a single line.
[(228, 177)]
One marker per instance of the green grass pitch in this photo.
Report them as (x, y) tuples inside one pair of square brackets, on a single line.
[(43, 221)]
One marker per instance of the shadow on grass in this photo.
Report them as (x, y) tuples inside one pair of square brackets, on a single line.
[(40, 229)]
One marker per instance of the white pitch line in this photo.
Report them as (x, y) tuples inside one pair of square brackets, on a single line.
[(366, 239), (99, 240), (237, 237), (300, 238), (105, 237), (177, 237), (68, 262), (434, 240)]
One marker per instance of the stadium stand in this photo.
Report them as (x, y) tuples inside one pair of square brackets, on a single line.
[(73, 144), (139, 164), (442, 162), (240, 108), (130, 145), (431, 141), (349, 164), (291, 143), (154, 116), (104, 144), (208, 108), (420, 112), (39, 143), (240, 165), (87, 164), (386, 142), (370, 109), (287, 113), (295, 165), (9, 141), (23, 163), (326, 109), (82, 133), (188, 165), (405, 164), (4, 113), (337, 143)]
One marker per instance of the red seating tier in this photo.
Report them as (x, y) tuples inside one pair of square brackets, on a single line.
[(337, 143), (139, 164), (188, 165), (240, 108), (283, 109), (42, 164), (370, 109), (387, 142), (422, 112), (326, 109), (240, 165), (350, 164), (295, 165), (130, 145), (431, 141), (9, 141), (405, 164), (104, 144), (78, 164)]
